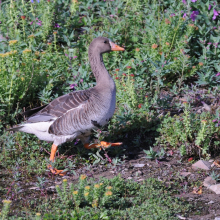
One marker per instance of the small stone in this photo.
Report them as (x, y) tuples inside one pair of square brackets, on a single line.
[(217, 218), (129, 178), (51, 187), (215, 188), (208, 181), (201, 164), (211, 202), (211, 160), (185, 174), (34, 188), (180, 217), (139, 165), (58, 183)]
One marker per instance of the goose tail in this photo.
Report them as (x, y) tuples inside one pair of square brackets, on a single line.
[(18, 128)]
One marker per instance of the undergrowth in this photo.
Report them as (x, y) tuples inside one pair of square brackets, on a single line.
[(106, 199)]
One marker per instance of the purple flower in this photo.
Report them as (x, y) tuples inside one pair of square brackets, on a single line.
[(218, 74), (31, 23), (81, 80), (76, 142), (39, 22), (209, 43), (193, 15), (74, 57), (32, 1), (214, 120), (57, 26), (184, 2), (210, 7), (72, 86), (184, 15), (38, 1), (215, 14), (215, 45), (193, 0), (172, 15), (66, 54)]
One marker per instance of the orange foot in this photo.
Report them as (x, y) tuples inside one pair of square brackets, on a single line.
[(55, 171), (52, 157), (102, 144)]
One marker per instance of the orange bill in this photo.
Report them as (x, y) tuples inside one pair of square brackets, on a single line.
[(115, 47)]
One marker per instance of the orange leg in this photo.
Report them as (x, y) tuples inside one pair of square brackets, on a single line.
[(103, 144), (52, 157)]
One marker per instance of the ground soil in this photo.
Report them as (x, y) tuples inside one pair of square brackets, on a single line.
[(173, 172)]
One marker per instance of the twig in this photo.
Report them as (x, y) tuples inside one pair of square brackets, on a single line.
[(106, 155)]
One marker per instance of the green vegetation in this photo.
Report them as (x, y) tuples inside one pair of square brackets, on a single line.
[(167, 95), (108, 199)]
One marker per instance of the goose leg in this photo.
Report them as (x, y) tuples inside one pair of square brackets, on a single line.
[(103, 144), (52, 157)]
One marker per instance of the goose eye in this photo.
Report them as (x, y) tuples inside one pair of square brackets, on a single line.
[(105, 42)]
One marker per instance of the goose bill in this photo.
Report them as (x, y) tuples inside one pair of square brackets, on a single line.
[(115, 47)]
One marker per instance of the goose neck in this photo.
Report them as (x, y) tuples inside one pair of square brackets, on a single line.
[(98, 68)]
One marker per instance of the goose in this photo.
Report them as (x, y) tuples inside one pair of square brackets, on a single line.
[(76, 114)]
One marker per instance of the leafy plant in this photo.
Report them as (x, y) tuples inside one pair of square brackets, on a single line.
[(215, 176), (151, 154), (189, 131)]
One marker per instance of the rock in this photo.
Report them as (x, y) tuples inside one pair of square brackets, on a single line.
[(51, 187), (215, 188), (208, 181), (217, 218), (211, 202), (34, 188), (185, 174), (129, 178), (201, 164), (139, 165), (180, 217)]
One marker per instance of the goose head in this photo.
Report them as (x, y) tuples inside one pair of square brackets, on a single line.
[(104, 45)]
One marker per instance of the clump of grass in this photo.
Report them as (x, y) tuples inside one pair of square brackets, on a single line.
[(192, 133), (111, 199)]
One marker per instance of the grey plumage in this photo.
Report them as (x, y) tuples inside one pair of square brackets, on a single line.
[(74, 115)]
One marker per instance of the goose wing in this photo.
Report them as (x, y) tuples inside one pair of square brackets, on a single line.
[(59, 107)]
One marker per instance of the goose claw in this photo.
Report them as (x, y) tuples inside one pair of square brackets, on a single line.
[(56, 172), (102, 144)]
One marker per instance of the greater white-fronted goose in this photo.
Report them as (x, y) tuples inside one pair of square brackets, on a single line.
[(76, 114)]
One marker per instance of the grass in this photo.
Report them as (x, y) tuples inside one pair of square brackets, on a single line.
[(107, 199)]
